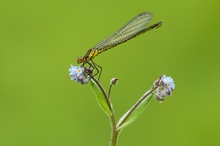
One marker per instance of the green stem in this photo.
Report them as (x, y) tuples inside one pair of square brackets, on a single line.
[(136, 105), (114, 135), (109, 91), (103, 92)]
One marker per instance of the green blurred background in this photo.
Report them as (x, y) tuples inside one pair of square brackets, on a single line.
[(40, 106)]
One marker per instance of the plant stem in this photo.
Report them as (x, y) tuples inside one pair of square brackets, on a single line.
[(109, 91), (114, 135), (103, 92), (136, 105)]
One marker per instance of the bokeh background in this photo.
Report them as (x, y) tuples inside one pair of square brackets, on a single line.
[(40, 106)]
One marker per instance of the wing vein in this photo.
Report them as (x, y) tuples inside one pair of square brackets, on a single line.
[(129, 30)]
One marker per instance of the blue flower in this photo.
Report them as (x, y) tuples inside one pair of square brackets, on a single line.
[(77, 73), (165, 85), (168, 81)]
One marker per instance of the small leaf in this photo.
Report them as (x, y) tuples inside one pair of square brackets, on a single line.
[(131, 116), (100, 97)]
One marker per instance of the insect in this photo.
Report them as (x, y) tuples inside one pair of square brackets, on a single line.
[(133, 28)]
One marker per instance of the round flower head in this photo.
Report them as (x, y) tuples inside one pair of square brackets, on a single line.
[(168, 81), (77, 73), (165, 85)]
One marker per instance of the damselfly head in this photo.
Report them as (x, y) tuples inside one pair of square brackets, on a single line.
[(80, 60)]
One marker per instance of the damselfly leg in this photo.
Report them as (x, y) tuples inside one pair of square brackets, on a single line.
[(93, 66)]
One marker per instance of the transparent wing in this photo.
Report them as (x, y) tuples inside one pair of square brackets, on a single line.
[(128, 31)]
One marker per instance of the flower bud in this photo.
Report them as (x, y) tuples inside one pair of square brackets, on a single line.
[(158, 98), (114, 81)]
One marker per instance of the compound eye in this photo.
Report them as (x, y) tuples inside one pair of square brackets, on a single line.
[(80, 60)]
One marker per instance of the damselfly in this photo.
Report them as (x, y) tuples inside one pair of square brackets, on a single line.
[(133, 28)]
